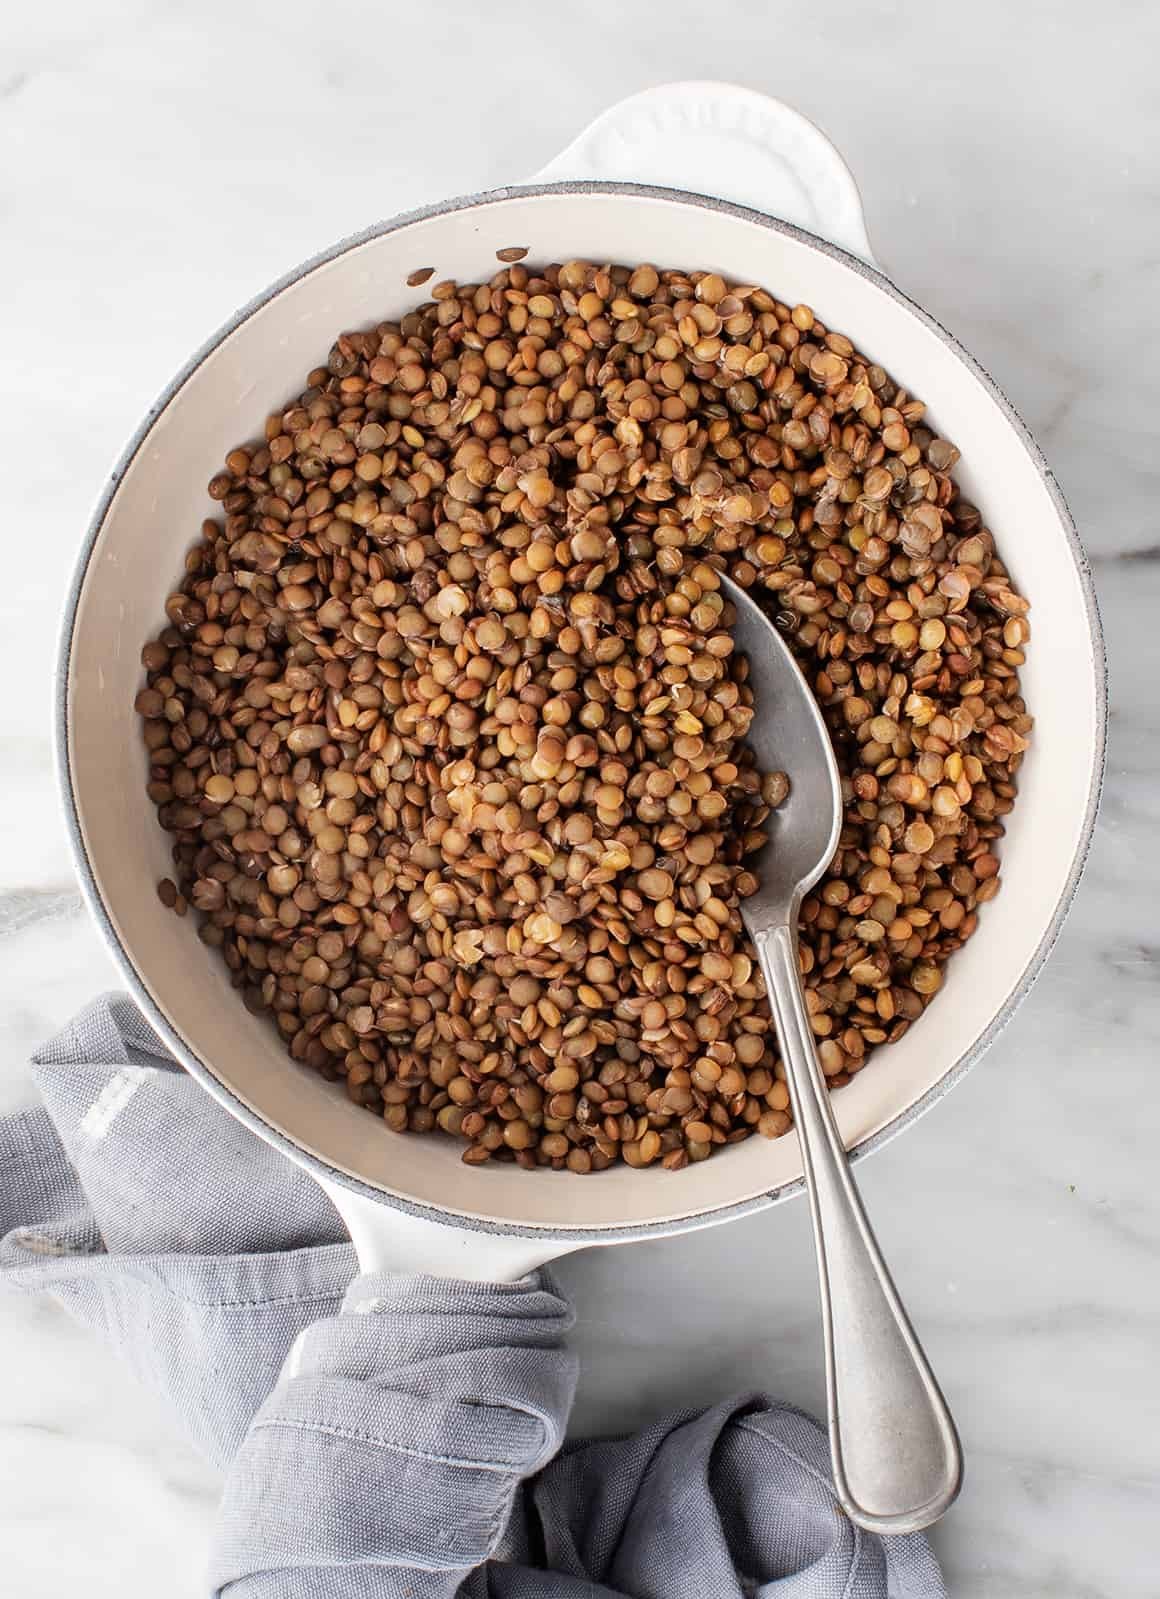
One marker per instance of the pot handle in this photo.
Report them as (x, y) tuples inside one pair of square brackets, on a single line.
[(388, 1239), (726, 142)]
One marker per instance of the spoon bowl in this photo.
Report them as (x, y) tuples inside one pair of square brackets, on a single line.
[(788, 734)]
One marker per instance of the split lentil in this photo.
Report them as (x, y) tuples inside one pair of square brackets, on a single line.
[(448, 729)]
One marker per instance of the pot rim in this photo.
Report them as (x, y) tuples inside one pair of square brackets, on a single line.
[(122, 956)]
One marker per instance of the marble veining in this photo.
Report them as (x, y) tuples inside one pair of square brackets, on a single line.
[(161, 164)]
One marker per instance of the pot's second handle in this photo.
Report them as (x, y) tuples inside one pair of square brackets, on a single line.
[(726, 142), (386, 1239)]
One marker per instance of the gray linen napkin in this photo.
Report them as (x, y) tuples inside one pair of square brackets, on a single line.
[(386, 1435)]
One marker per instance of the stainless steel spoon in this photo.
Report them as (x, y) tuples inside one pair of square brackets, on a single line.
[(896, 1456)]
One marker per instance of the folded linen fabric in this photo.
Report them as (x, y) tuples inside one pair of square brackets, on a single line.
[(386, 1435)]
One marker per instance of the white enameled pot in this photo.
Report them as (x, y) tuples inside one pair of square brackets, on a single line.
[(784, 213)]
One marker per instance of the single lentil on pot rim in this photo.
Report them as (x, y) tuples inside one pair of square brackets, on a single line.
[(449, 733)]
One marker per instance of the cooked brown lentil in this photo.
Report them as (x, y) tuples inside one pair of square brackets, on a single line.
[(448, 729)]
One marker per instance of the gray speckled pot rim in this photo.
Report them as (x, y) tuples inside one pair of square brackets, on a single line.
[(203, 1071)]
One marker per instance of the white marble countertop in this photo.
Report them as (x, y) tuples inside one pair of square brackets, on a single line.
[(161, 164)]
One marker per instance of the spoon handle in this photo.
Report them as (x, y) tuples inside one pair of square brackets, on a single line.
[(896, 1457)]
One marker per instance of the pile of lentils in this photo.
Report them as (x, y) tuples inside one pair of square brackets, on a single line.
[(449, 734)]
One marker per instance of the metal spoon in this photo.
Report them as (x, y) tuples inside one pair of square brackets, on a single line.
[(896, 1456)]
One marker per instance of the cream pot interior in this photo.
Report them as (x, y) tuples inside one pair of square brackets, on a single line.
[(154, 513)]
